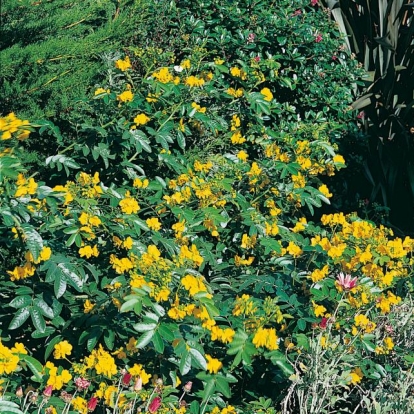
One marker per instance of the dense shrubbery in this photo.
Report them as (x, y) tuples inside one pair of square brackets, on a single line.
[(173, 242)]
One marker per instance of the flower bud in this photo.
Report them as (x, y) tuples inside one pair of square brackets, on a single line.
[(155, 404), (187, 387), (138, 384), (92, 404), (48, 391), (19, 392), (126, 379)]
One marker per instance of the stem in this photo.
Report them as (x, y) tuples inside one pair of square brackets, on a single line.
[(25, 400), (117, 396), (205, 405), (149, 399)]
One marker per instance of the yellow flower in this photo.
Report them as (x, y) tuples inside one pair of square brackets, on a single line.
[(126, 96), (88, 306), (8, 361), (62, 349), (325, 191), (293, 249), (193, 284), (129, 205), (268, 96), (242, 156), (213, 364), (123, 64), (388, 342), (100, 91), (186, 64), (236, 93), (163, 75), (141, 119), (198, 108), (80, 405), (339, 159), (153, 223), (193, 81), (356, 376), (266, 338), (18, 348), (88, 251), (319, 310)]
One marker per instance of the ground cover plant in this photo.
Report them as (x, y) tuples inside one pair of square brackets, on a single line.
[(169, 262)]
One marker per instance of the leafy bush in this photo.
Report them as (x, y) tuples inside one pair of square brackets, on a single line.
[(172, 242)]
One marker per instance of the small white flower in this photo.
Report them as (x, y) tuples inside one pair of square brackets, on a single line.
[(178, 69)]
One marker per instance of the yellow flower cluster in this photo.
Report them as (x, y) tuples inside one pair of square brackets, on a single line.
[(8, 360), (27, 270), (102, 362), (123, 64), (57, 380), (10, 125), (266, 338)]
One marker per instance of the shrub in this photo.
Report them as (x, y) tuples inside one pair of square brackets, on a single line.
[(179, 247)]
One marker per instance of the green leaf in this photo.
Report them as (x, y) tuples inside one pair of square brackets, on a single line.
[(198, 358), (50, 330), (166, 332), (44, 308), (71, 276), (9, 407), (21, 302), (279, 359), (59, 286), (34, 365), (185, 363), (51, 345), (144, 327), (223, 386), (34, 241), (109, 339), (158, 343), (145, 339), (19, 318), (208, 389), (37, 319)]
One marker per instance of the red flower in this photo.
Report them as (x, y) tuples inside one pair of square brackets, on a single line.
[(126, 379), (92, 404), (323, 323), (155, 404), (318, 38)]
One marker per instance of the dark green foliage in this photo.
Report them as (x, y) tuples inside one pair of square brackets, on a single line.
[(50, 50), (381, 35)]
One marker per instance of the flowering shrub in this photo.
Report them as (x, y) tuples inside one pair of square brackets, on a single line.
[(174, 267)]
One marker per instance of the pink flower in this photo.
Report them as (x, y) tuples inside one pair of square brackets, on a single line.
[(82, 383), (318, 38), (298, 12), (92, 404), (155, 404), (138, 384), (187, 387), (314, 3), (48, 391), (346, 282), (251, 37), (257, 58)]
